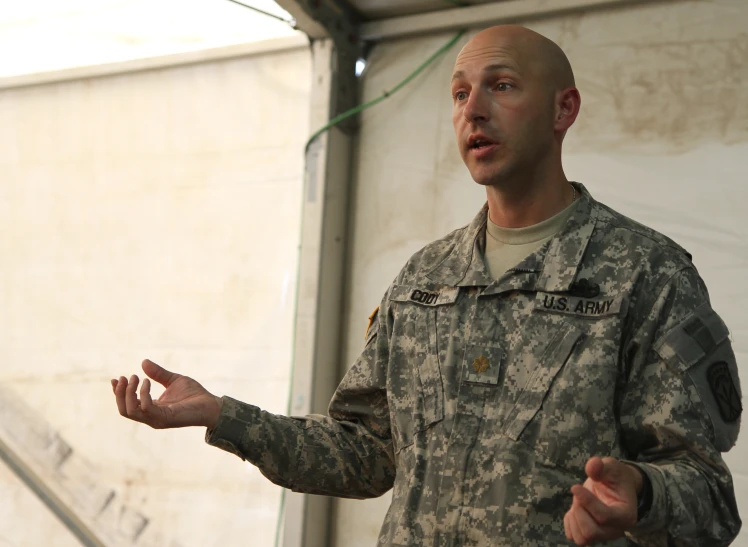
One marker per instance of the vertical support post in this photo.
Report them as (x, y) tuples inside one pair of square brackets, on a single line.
[(321, 272)]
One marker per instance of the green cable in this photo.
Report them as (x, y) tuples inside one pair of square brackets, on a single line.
[(332, 123), (387, 94)]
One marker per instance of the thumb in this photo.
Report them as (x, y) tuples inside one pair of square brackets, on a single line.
[(608, 470), (160, 374)]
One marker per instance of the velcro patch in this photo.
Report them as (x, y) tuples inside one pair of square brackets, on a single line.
[(695, 338), (574, 305), (724, 391)]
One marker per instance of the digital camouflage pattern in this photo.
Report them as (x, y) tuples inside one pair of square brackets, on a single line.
[(480, 401)]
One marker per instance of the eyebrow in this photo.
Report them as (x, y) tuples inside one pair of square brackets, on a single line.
[(490, 68)]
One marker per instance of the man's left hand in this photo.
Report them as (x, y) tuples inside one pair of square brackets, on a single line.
[(605, 506)]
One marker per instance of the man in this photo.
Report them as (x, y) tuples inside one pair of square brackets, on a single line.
[(549, 342)]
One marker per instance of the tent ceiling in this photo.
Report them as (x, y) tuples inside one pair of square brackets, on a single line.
[(381, 9), (372, 20)]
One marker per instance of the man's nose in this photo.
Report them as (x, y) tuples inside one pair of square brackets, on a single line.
[(476, 109)]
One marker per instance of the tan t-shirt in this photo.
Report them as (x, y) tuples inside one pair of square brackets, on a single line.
[(507, 247)]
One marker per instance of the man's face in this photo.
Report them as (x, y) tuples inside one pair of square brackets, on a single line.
[(502, 111)]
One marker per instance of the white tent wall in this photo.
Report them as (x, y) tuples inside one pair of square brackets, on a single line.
[(662, 138), (147, 214)]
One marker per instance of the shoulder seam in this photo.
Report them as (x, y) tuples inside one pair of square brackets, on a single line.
[(656, 241), (657, 293)]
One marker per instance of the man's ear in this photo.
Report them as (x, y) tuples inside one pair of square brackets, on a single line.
[(568, 103)]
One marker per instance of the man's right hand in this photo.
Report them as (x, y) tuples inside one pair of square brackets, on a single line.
[(184, 403)]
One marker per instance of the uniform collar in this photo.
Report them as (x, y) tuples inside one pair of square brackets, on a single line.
[(555, 264)]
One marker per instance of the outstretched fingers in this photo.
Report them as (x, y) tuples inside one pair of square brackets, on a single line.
[(119, 394), (146, 402), (131, 398), (125, 393)]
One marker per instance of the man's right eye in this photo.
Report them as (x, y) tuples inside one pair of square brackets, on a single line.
[(461, 95)]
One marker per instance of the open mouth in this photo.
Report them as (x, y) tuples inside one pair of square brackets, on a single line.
[(480, 144), (480, 147)]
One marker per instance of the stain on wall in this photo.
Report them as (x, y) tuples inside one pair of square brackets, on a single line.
[(661, 79)]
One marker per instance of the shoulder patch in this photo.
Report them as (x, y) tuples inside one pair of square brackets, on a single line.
[(724, 391), (372, 318), (700, 349)]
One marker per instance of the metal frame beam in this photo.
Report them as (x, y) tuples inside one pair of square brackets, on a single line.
[(305, 22), (324, 19), (319, 313), (333, 29), (484, 15), (338, 22), (65, 514)]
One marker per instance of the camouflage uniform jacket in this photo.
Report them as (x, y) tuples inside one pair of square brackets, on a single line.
[(480, 401)]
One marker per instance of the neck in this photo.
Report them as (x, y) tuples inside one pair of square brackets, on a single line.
[(525, 203)]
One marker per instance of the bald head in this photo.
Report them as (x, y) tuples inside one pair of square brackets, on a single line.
[(531, 52), (513, 100)]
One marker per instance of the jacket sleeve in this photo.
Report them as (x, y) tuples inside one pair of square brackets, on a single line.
[(680, 409), (347, 453)]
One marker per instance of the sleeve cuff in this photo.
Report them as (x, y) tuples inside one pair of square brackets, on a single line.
[(234, 422), (657, 517)]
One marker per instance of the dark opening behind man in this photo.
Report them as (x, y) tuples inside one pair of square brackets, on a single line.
[(549, 342)]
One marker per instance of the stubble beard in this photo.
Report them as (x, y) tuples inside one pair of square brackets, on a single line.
[(498, 173)]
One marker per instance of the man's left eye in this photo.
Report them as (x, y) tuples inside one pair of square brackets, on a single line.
[(503, 86)]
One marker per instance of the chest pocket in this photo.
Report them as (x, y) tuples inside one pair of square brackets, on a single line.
[(553, 358), (415, 390)]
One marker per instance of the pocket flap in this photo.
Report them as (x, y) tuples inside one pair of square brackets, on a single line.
[(532, 397)]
